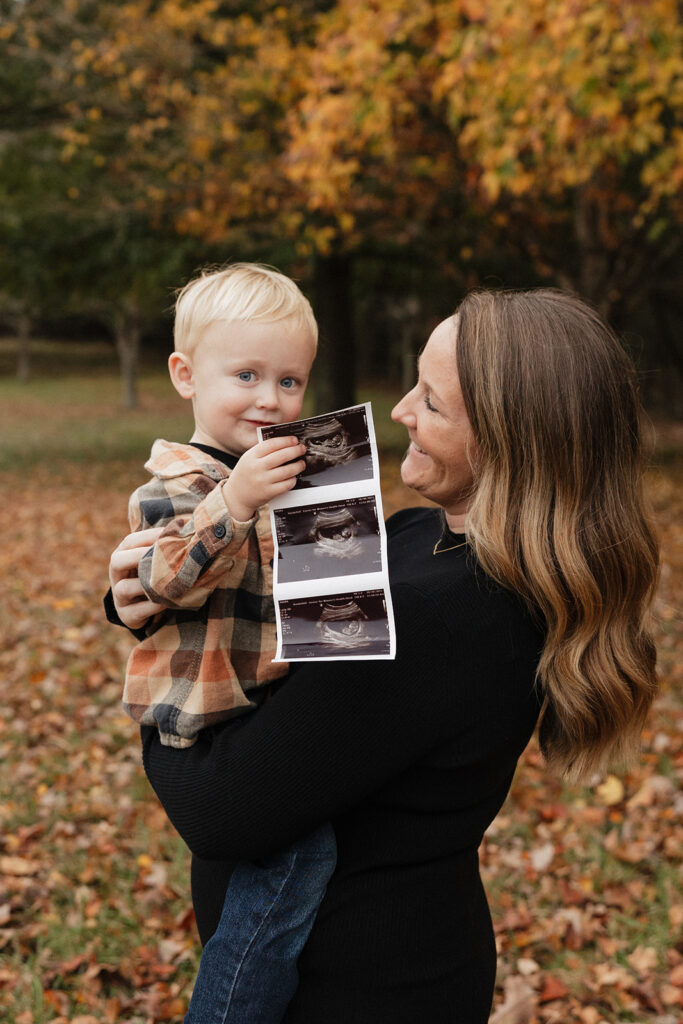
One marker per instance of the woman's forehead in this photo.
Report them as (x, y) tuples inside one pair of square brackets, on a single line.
[(436, 362)]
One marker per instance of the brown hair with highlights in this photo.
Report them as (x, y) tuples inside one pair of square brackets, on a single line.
[(559, 514)]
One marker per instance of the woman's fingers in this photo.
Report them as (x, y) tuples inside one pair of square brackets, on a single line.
[(135, 615), (131, 603), (125, 559), (141, 538), (128, 589), (123, 562)]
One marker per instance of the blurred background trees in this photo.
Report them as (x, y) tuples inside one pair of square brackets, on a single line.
[(389, 154)]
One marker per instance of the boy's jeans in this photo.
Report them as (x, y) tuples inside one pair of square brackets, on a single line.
[(248, 972)]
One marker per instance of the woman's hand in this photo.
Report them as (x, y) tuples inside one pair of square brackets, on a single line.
[(132, 604)]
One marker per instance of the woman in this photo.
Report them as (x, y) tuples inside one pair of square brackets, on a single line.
[(524, 594)]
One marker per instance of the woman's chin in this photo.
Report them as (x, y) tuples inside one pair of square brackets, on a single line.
[(409, 475)]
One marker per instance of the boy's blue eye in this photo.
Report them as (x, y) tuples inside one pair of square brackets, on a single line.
[(288, 382), (246, 376)]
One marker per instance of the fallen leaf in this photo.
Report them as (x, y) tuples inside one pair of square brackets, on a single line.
[(643, 959), (671, 995), (527, 966), (611, 791), (611, 975), (519, 1003), (589, 1015), (657, 789), (552, 988), (541, 857), (676, 915), (18, 866)]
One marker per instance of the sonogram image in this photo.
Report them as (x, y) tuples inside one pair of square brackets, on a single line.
[(336, 538)]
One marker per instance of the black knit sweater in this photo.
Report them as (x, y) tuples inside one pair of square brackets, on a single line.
[(409, 759)]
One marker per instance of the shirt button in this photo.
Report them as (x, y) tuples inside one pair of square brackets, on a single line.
[(219, 530)]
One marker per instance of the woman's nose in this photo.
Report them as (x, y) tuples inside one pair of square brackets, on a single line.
[(402, 411)]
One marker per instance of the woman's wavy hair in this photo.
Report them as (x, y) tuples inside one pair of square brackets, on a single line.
[(559, 513)]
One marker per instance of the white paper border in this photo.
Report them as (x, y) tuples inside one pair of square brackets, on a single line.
[(332, 585)]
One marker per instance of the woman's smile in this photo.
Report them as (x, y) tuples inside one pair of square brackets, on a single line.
[(437, 463)]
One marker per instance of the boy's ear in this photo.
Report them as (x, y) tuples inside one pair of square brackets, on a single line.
[(180, 369)]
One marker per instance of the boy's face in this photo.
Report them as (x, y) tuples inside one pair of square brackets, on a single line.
[(248, 375)]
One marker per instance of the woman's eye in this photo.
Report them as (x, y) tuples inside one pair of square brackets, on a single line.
[(432, 408), (246, 376), (288, 382)]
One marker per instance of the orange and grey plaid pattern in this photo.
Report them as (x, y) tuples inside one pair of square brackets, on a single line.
[(214, 576)]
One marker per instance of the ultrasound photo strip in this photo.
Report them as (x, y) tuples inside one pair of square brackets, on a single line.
[(331, 582)]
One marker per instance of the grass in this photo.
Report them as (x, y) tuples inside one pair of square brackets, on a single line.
[(71, 409), (80, 419), (55, 358), (105, 907), (72, 793)]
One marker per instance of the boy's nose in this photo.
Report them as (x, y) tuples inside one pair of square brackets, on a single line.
[(267, 398)]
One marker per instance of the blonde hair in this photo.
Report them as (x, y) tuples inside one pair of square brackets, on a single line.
[(242, 292), (558, 513)]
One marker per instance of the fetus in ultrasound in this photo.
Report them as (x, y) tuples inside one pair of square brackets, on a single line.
[(342, 625), (327, 444), (335, 534)]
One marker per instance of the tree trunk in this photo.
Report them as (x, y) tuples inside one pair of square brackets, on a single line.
[(410, 331), (594, 263), (663, 372), (127, 333), (23, 348), (334, 371), (407, 316)]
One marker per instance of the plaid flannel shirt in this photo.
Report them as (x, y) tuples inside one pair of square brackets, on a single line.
[(214, 576)]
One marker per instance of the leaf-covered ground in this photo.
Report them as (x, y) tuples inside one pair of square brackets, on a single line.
[(95, 918)]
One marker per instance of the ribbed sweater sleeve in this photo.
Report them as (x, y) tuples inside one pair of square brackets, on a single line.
[(331, 735)]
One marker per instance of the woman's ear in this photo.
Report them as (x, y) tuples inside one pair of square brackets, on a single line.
[(180, 369)]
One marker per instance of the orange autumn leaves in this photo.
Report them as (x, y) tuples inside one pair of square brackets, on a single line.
[(337, 123), (584, 885)]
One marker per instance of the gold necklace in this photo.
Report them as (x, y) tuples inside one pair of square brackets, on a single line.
[(439, 551)]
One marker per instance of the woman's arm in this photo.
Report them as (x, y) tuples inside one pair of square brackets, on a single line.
[(332, 734)]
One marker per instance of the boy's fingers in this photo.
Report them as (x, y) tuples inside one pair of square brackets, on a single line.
[(290, 470), (284, 456), (276, 444)]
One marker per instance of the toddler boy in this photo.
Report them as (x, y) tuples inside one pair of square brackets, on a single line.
[(245, 339)]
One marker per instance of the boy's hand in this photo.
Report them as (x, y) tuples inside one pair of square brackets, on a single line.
[(263, 472)]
